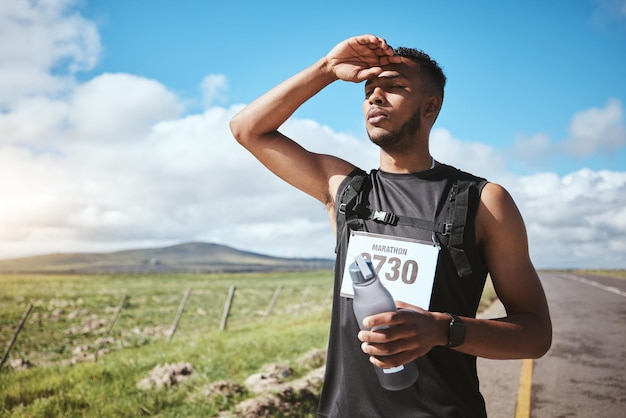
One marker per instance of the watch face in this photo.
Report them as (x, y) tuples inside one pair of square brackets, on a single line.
[(457, 332)]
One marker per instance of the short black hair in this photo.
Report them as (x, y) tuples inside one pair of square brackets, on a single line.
[(435, 78)]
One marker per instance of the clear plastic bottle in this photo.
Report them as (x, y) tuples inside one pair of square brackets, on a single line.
[(370, 298)]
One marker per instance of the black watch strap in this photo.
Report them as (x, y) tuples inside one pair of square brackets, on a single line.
[(456, 334)]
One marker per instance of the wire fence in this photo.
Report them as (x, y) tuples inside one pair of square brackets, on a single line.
[(70, 321)]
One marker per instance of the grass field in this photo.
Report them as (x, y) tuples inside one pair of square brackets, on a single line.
[(71, 314), (618, 274)]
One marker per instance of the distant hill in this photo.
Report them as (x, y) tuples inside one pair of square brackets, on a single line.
[(193, 257)]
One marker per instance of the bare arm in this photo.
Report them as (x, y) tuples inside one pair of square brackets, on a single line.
[(256, 126), (526, 331)]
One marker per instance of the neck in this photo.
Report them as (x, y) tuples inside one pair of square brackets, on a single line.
[(406, 163), (411, 154)]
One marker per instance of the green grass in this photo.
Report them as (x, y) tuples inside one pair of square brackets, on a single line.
[(619, 274), (488, 296), (65, 306), (72, 312), (109, 387)]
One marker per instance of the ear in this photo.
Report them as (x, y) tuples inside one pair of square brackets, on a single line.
[(432, 106)]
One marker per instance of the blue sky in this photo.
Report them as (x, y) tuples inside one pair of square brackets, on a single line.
[(514, 69), (114, 118)]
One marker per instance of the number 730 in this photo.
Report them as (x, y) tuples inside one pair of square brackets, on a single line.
[(406, 270)]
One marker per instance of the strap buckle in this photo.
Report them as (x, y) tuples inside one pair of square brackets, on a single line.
[(384, 217)]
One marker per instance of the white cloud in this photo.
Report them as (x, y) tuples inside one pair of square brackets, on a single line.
[(214, 88), (18, 126), (597, 131), (608, 13), (187, 179), (37, 37), (577, 220), (473, 157), (533, 149), (119, 107)]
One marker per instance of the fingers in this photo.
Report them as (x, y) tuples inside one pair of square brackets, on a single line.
[(360, 58), (391, 354), (374, 43), (390, 329), (383, 352), (403, 337), (364, 51), (379, 52), (387, 362), (404, 314)]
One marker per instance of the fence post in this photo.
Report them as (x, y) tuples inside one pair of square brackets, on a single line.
[(229, 300), (273, 301), (17, 331), (178, 314), (305, 295), (110, 327)]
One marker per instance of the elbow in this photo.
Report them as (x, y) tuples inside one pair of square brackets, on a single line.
[(547, 344), (543, 342), (542, 349), (247, 130), (244, 129), (236, 128)]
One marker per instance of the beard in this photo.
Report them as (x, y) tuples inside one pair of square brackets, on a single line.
[(393, 139)]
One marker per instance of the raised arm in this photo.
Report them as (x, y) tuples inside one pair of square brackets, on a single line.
[(256, 126)]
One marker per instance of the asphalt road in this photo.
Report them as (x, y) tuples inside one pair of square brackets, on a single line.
[(584, 373)]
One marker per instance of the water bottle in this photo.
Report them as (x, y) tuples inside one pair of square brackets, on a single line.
[(370, 298)]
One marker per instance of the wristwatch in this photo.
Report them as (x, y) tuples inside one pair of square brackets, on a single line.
[(456, 335)]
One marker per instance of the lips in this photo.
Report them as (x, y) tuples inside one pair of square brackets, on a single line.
[(375, 115)]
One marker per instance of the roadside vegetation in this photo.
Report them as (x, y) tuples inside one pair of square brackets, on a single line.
[(619, 274)]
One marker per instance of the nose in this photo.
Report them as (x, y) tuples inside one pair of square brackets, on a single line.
[(377, 96)]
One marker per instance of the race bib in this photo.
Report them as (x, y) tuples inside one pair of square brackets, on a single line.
[(405, 267)]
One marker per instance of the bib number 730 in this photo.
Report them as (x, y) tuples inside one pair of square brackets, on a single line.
[(394, 268), (406, 267)]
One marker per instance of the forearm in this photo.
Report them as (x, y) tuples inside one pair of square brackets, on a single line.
[(412, 332), (267, 113), (355, 60)]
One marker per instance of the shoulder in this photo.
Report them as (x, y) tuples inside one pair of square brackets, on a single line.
[(496, 198), (456, 174), (498, 218)]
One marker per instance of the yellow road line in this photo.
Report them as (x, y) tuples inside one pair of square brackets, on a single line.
[(522, 410)]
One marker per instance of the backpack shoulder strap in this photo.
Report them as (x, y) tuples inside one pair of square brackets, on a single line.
[(457, 219), (350, 200)]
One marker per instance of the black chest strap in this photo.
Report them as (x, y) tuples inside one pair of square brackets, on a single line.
[(353, 208)]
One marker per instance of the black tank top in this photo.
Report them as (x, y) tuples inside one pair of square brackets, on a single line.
[(448, 382)]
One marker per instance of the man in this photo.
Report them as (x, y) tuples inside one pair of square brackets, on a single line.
[(403, 97)]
